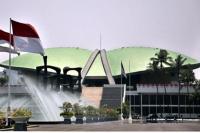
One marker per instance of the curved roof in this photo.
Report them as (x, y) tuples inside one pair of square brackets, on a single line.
[(76, 57), (139, 58)]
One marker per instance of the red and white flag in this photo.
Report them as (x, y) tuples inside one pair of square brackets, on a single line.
[(26, 38), (5, 37)]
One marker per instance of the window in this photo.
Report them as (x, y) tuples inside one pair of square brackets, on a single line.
[(174, 100), (174, 109), (145, 99), (153, 99), (137, 100), (160, 99)]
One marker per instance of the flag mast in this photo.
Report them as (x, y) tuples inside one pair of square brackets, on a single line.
[(9, 79), (121, 96), (100, 41), (130, 114)]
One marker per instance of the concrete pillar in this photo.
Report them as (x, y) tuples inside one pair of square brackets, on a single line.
[(149, 101), (141, 110)]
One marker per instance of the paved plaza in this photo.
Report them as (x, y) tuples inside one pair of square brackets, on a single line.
[(119, 126)]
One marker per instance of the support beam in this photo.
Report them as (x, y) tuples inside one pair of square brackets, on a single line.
[(106, 67), (88, 64)]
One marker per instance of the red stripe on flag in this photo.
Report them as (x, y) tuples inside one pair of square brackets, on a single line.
[(6, 36), (24, 30)]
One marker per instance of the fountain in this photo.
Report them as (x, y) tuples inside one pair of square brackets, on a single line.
[(43, 99)]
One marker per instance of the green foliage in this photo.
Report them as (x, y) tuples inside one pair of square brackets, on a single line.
[(187, 76), (161, 58), (3, 80), (67, 109), (112, 113), (125, 109), (91, 111), (21, 112), (78, 110), (67, 114), (108, 112), (2, 120), (196, 94), (2, 114)]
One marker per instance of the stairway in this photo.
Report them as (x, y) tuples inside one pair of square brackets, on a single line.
[(111, 95)]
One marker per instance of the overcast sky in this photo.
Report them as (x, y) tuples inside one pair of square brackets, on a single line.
[(169, 24)]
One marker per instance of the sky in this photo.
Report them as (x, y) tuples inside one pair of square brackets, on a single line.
[(168, 24)]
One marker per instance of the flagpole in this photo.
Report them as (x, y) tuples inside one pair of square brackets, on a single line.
[(9, 80), (100, 41), (130, 115), (121, 97)]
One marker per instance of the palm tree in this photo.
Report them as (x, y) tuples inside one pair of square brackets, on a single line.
[(187, 77), (162, 57), (196, 95), (177, 64), (155, 68)]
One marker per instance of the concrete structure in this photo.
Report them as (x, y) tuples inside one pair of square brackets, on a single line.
[(101, 78)]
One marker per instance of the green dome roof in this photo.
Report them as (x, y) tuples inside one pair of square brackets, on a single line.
[(76, 57)]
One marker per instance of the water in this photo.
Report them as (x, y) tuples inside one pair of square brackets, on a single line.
[(43, 102)]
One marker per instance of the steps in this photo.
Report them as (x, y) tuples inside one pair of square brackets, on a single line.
[(112, 95)]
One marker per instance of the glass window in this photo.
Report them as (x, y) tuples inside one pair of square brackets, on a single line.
[(137, 110), (167, 110), (174, 100), (189, 109), (160, 99), (145, 111), (137, 100), (182, 99), (175, 109), (182, 109), (153, 110), (153, 99), (160, 109), (145, 99), (196, 110), (167, 99)]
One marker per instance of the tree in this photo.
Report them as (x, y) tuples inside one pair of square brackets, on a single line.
[(187, 78), (177, 65), (162, 57), (155, 68), (196, 94)]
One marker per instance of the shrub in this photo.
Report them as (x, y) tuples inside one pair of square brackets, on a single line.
[(21, 112), (3, 80), (2, 120), (78, 110), (91, 111), (67, 114), (112, 113), (108, 112), (67, 109)]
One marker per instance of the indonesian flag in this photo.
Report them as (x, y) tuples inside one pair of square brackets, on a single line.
[(5, 38), (26, 38)]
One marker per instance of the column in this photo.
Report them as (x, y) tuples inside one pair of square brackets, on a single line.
[(141, 110)]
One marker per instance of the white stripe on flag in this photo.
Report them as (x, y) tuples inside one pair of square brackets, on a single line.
[(3, 41), (28, 44)]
